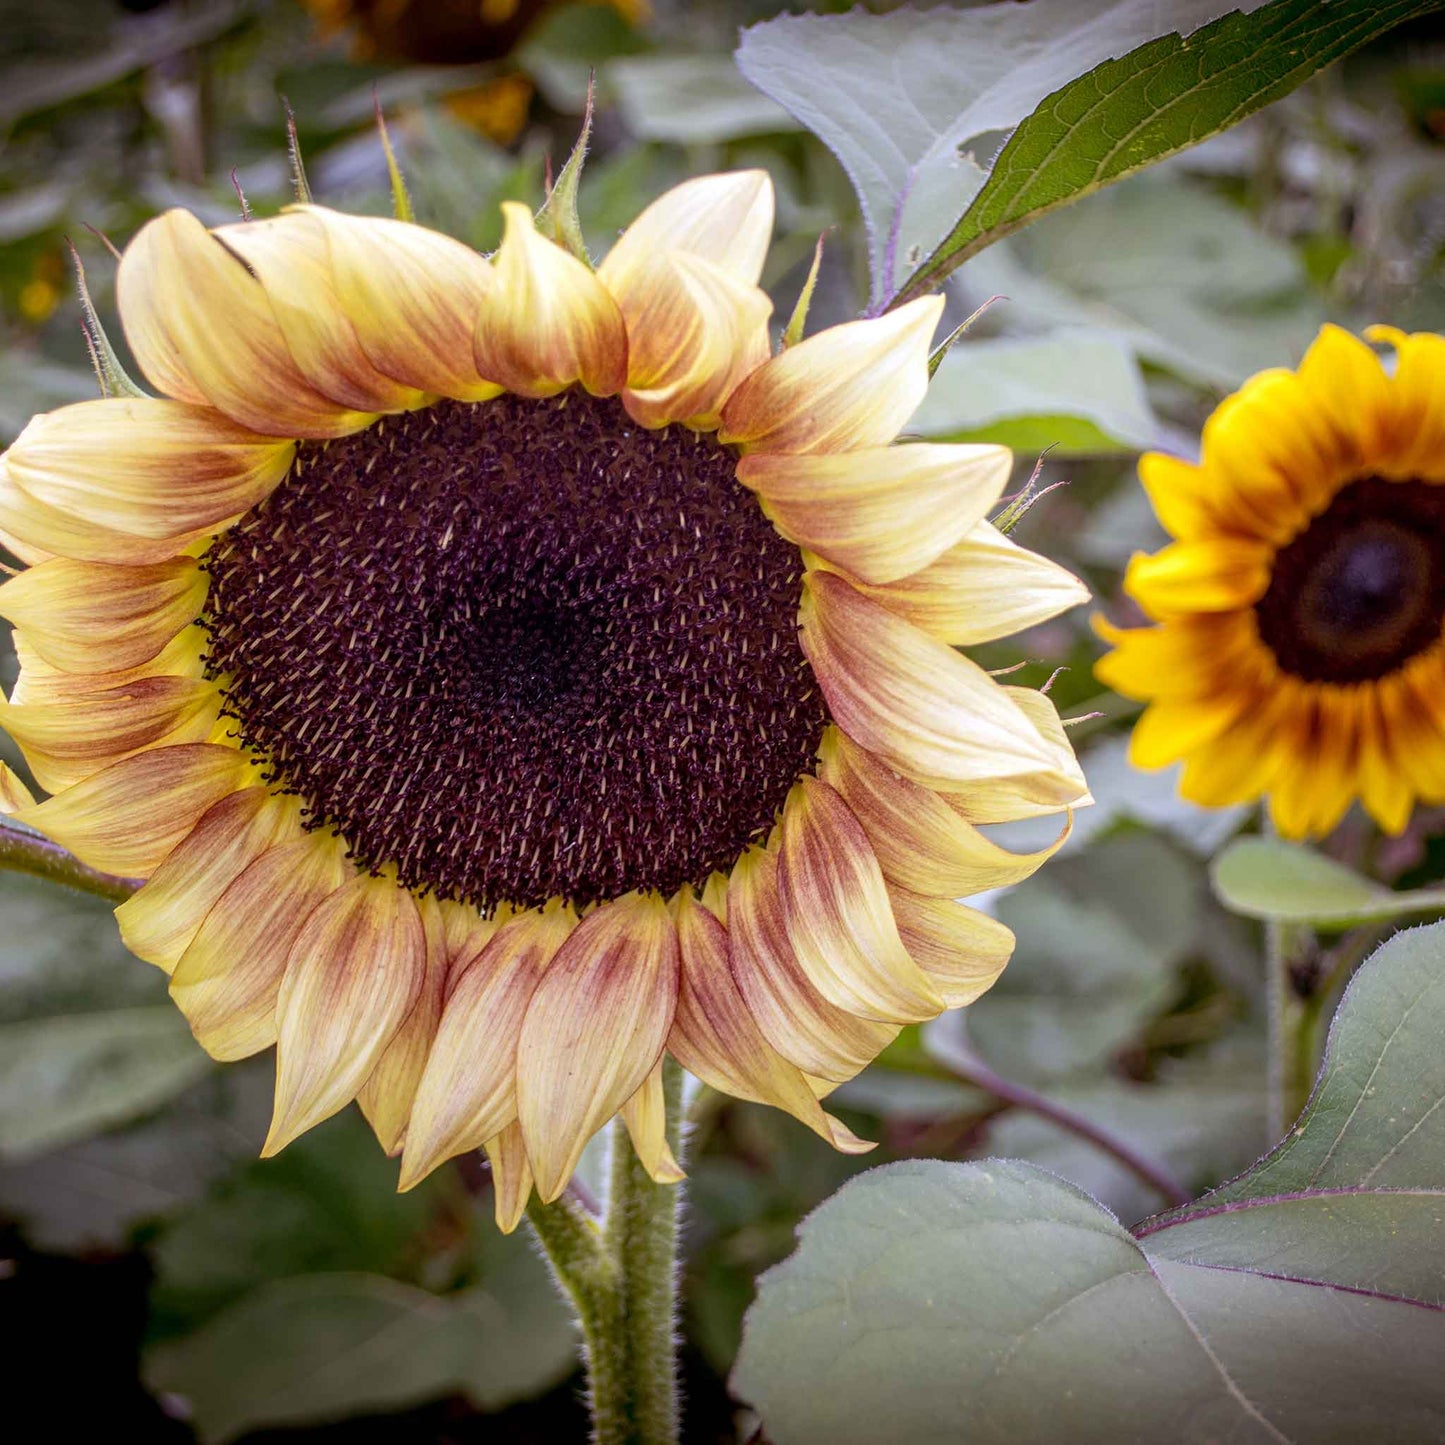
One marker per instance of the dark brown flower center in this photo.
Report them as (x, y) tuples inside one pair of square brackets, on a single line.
[(520, 649), (1362, 589)]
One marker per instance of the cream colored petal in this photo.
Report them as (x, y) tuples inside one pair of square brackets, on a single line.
[(153, 469), (835, 908), (548, 322), (413, 297), (387, 1095), (41, 683), (692, 335), (982, 588), (203, 331), (14, 795), (725, 219), (159, 922), (883, 512), (511, 1176), (127, 818), (923, 708), (805, 1028), (30, 556), (852, 386), (716, 1038), (290, 255), (88, 617), (67, 742), (593, 1031), (920, 842), (961, 950), (227, 979), (352, 977), (468, 1090), (645, 1115)]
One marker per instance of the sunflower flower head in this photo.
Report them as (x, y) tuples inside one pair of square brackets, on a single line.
[(503, 673), (1297, 651)]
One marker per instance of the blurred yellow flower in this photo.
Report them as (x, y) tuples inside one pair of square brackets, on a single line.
[(1298, 652)]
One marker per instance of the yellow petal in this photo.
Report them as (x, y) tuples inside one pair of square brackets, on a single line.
[(923, 708), (290, 255), (386, 1096), (511, 1176), (835, 907), (227, 979), (1183, 657), (817, 1036), (961, 950), (30, 556), (159, 922), (127, 818), (921, 843), (716, 1038), (1243, 760), (882, 512), (87, 617), (1350, 388), (645, 1115), (14, 795), (352, 976), (1172, 728), (692, 335), (1416, 447), (549, 321), (594, 1029), (852, 386), (724, 219), (413, 297), (980, 589), (152, 469), (1212, 575), (468, 1090), (203, 331)]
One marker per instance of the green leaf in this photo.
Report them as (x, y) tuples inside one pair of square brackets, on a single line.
[(937, 1302), (1269, 878), (1078, 391), (690, 100), (1155, 101), (323, 1347)]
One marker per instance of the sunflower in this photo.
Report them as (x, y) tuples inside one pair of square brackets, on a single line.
[(1299, 649), (503, 672)]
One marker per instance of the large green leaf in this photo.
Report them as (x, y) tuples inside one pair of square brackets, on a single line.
[(1157, 100), (935, 1302)]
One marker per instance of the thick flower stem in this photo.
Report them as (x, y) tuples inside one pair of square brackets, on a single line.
[(25, 852), (1291, 1065), (622, 1280)]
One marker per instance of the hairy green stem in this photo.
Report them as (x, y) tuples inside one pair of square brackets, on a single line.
[(1290, 1063), (621, 1277), (22, 852)]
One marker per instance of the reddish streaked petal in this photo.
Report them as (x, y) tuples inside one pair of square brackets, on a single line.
[(594, 1029), (352, 976), (879, 513), (923, 708), (511, 1176), (1211, 575), (227, 979), (204, 332), (852, 386), (290, 255), (980, 589), (819, 1037), (716, 1038), (692, 334), (835, 907), (127, 818), (920, 842), (961, 950), (413, 297), (386, 1097), (645, 1115), (87, 617), (549, 321), (159, 922), (724, 219), (468, 1090)]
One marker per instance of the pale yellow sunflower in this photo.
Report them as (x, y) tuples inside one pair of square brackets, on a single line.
[(504, 672), (1299, 651)]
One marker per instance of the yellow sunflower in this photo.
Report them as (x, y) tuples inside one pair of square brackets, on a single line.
[(504, 672), (1299, 651)]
